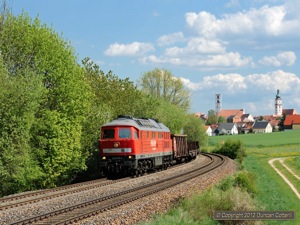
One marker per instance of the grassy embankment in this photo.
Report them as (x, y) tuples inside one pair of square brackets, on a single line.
[(273, 192)]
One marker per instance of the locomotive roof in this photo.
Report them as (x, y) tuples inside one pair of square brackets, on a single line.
[(141, 124)]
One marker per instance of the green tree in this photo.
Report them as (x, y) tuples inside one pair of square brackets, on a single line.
[(162, 84), (211, 117), (19, 101), (172, 116), (281, 123), (221, 119), (55, 135), (195, 130)]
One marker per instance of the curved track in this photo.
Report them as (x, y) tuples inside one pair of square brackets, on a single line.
[(80, 211)]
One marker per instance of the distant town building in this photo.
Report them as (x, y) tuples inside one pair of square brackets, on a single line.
[(227, 128), (231, 115), (218, 103), (262, 127), (278, 104), (208, 130), (292, 122)]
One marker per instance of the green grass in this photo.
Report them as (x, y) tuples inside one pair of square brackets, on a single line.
[(288, 175), (294, 164), (260, 140), (274, 193)]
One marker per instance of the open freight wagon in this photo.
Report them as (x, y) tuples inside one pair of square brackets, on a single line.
[(184, 150)]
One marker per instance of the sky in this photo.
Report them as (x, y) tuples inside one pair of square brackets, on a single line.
[(244, 50)]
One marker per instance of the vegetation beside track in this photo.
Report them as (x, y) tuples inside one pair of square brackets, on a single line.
[(269, 191)]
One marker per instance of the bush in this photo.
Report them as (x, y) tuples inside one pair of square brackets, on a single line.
[(232, 148), (246, 181), (201, 208), (226, 184)]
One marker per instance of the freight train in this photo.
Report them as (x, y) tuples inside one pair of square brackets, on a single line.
[(134, 146)]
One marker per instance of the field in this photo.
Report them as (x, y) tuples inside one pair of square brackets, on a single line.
[(273, 192), (261, 140)]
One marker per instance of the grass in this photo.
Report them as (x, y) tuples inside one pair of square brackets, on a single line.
[(260, 140), (294, 164), (274, 193), (288, 175)]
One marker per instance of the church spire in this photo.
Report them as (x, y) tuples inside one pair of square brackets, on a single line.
[(278, 104)]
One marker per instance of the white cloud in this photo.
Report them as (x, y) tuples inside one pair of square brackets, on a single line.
[(270, 21), (231, 83), (170, 39), (198, 45), (253, 83), (231, 59), (281, 59), (133, 49), (286, 82)]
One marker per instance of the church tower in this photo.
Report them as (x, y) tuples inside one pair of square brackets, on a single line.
[(278, 104), (218, 102)]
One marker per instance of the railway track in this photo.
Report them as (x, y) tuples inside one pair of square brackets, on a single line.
[(32, 197), (86, 209)]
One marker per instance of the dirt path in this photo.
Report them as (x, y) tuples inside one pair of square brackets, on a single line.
[(292, 172), (271, 162)]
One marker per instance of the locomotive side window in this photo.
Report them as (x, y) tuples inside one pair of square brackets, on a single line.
[(108, 133), (136, 136), (124, 133), (153, 134)]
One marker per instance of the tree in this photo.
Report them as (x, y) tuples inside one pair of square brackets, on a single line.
[(162, 84), (221, 119), (211, 117), (19, 101), (171, 115), (281, 123), (195, 130), (55, 133)]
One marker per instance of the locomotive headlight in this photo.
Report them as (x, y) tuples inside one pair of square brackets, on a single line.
[(116, 144), (129, 157), (104, 158)]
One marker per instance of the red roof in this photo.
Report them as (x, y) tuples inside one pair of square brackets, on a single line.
[(231, 112), (291, 119)]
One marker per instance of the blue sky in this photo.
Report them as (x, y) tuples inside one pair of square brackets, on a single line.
[(243, 49)]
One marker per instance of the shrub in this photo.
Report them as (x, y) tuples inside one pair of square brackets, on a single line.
[(226, 183), (232, 148), (246, 181)]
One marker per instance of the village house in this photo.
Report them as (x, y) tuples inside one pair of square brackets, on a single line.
[(292, 122), (262, 127), (208, 130), (231, 115), (227, 128)]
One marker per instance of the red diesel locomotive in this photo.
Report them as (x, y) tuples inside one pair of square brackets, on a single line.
[(132, 146)]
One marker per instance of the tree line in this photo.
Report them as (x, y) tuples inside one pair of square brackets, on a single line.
[(52, 107)]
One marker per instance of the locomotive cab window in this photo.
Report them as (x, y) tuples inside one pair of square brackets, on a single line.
[(124, 133), (108, 133)]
